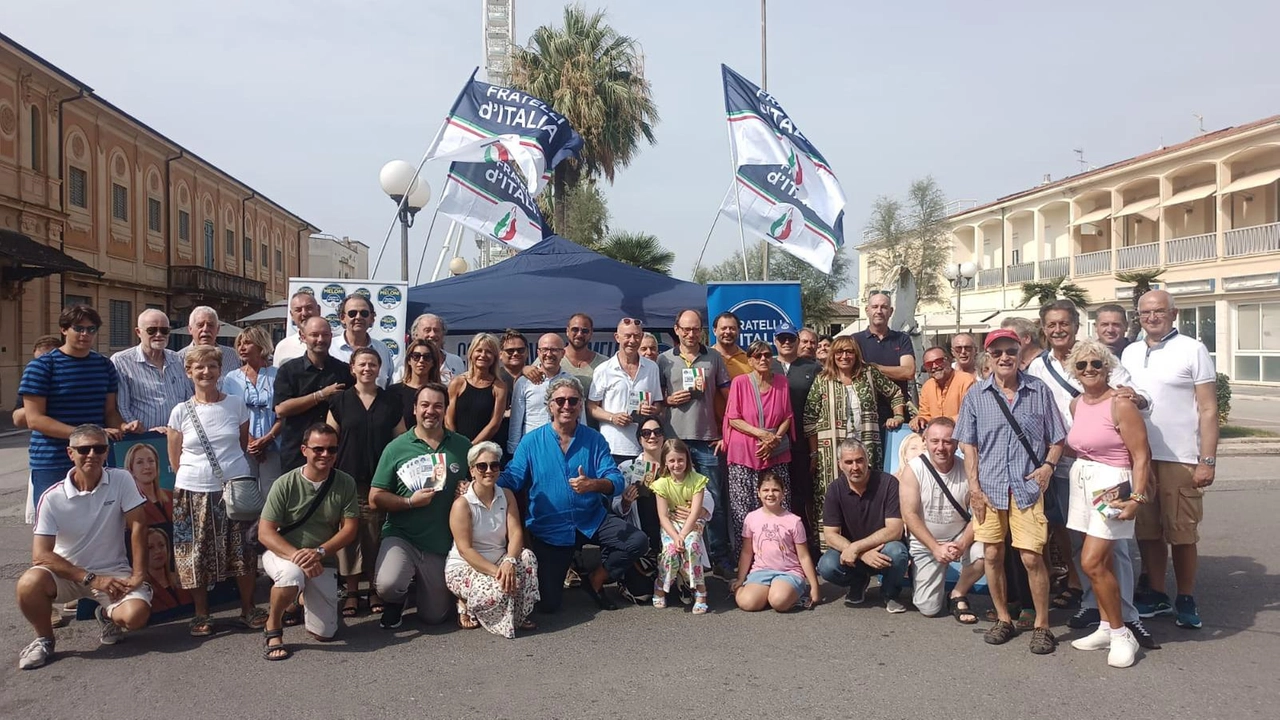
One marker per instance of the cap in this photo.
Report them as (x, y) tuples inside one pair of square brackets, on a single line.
[(785, 328), (1001, 334)]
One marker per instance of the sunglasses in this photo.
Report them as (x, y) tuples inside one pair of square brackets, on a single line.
[(963, 348), (85, 329), (652, 432), (153, 331), (570, 401), (761, 356), (632, 321), (788, 339), (1011, 352), (358, 313), (86, 449), (419, 357), (323, 449), (512, 352), (935, 365), (580, 331), (485, 467), (1096, 364)]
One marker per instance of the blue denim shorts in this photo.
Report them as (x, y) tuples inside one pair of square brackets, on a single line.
[(766, 577)]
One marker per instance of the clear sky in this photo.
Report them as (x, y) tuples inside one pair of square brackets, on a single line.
[(306, 99)]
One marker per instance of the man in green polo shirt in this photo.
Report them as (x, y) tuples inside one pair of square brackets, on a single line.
[(414, 469), (302, 531)]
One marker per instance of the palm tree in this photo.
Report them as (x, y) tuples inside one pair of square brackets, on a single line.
[(639, 249), (1141, 281), (594, 77), (1047, 291)]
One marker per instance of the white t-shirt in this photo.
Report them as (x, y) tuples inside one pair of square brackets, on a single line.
[(89, 526), (614, 389), (940, 515), (221, 422), (1169, 373), (340, 350), (288, 349)]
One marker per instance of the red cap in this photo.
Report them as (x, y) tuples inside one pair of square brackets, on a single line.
[(1001, 334)]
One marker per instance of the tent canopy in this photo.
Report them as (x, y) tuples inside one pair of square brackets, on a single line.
[(540, 288)]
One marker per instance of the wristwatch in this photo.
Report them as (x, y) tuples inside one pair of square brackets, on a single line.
[(88, 579), (320, 551), (1209, 460)]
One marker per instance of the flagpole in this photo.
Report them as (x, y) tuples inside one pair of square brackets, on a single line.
[(714, 220), (423, 258), (737, 203), (764, 85)]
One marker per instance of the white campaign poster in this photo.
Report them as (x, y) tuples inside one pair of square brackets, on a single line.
[(388, 300)]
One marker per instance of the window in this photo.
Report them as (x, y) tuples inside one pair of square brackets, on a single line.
[(279, 261), (120, 202), (265, 257), (248, 250), (121, 319), (154, 215), (184, 226), (69, 300), (1258, 342), (78, 190), (209, 235), (37, 147), (230, 241)]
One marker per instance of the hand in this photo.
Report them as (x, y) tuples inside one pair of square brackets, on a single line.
[(734, 585), (629, 496), (620, 419), (113, 587), (114, 434), (978, 504), (954, 551), (717, 446), (648, 409), (942, 553), (875, 559), (582, 484), (422, 498), (302, 557), (1125, 392), (815, 598), (849, 556), (1204, 475), (533, 374), (681, 514), (258, 446), (314, 569), (917, 423), (131, 427), (462, 488), (1128, 508), (134, 582), (332, 390), (506, 578), (679, 398), (1042, 475), (893, 423)]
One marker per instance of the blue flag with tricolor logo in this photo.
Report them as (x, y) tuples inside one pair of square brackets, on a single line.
[(490, 198), (490, 123), (785, 188)]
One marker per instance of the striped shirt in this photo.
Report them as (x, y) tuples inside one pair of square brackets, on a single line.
[(148, 393), (75, 392), (1003, 464)]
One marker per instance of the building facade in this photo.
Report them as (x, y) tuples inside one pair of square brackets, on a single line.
[(1206, 211), (107, 211), (334, 257)]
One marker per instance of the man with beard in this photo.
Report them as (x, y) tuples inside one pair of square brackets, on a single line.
[(356, 314), (941, 394), (529, 409), (152, 378), (580, 360), (302, 307), (889, 350), (727, 328)]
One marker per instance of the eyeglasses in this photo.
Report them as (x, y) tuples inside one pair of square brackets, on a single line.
[(570, 401), (1095, 363), (550, 350), (1011, 352), (1157, 313), (485, 467), (686, 330), (652, 432), (323, 449), (153, 331), (843, 351), (512, 352), (86, 449), (84, 329), (358, 313), (632, 321), (419, 357), (761, 356), (963, 348), (580, 331)]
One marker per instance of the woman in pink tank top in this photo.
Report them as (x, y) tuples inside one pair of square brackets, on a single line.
[(1108, 483)]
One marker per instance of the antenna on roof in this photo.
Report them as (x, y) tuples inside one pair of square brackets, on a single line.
[(1199, 118), (1084, 164)]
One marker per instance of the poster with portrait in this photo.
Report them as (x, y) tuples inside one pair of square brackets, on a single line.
[(389, 301)]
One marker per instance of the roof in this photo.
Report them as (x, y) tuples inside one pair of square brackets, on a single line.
[(31, 259), (839, 308)]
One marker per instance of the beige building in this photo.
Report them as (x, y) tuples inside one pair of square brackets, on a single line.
[(102, 209), (334, 257), (1206, 210)]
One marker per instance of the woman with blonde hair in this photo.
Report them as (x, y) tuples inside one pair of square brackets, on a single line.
[(476, 399), (254, 382), (143, 463)]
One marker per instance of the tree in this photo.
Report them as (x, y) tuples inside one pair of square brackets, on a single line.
[(593, 76), (587, 219), (1141, 281), (912, 234), (1046, 291), (817, 289), (639, 249)]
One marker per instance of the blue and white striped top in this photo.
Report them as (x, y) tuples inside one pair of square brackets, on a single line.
[(75, 392)]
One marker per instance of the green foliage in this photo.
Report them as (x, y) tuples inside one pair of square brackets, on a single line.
[(1224, 399), (641, 250), (1046, 291), (1141, 281), (587, 219), (912, 233), (817, 289)]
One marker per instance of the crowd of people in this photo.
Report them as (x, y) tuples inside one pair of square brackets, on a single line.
[(468, 487)]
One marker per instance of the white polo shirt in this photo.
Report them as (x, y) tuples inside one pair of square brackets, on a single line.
[(89, 526), (288, 349), (340, 350), (613, 388), (1169, 372), (1040, 368)]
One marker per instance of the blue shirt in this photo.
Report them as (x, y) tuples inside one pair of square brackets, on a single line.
[(258, 397), (887, 351), (148, 393), (75, 392), (1003, 464), (556, 512)]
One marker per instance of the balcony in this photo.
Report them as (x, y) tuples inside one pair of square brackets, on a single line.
[(209, 284), (1022, 272), (1093, 263), (1252, 240), (991, 278), (1136, 257), (1054, 269), (1194, 248)]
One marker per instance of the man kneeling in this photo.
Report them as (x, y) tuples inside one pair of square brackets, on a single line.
[(310, 514), (79, 548)]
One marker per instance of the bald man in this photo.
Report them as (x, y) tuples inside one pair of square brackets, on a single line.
[(152, 379), (529, 397), (624, 389), (889, 350)]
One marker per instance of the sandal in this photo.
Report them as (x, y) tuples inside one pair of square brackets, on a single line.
[(961, 613), (351, 606), (466, 622), (255, 620), (293, 615), (991, 616), (1000, 633), (1042, 641), (200, 626), (1068, 599), (659, 601), (700, 603), (275, 652), (527, 625), (376, 606), (1026, 620)]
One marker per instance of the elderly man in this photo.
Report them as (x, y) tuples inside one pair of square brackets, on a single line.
[(935, 507), (302, 307), (529, 397), (889, 350), (1028, 338), (152, 379), (1012, 436), (625, 388), (941, 394), (1179, 375), (1111, 322), (311, 513), (965, 350), (808, 344), (416, 467), (570, 476), (304, 388), (203, 324), (432, 327), (580, 360), (357, 314), (693, 376), (862, 527), (84, 525)]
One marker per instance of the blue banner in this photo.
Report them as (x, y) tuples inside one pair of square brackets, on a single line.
[(760, 307)]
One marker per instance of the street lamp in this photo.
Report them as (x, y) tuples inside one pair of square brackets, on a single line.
[(960, 275), (410, 195)]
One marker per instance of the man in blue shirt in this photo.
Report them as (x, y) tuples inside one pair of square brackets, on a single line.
[(570, 475)]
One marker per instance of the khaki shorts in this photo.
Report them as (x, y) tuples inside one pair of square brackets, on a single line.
[(1029, 527), (69, 590), (1176, 506)]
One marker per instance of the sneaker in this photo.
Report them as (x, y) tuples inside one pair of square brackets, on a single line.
[(637, 598), (1188, 615), (857, 591), (392, 616), (1124, 649), (894, 607), (1157, 604), (1084, 618), (111, 632), (1142, 635), (1097, 640), (35, 655)]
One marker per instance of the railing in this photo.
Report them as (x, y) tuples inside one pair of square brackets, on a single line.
[(195, 279), (1055, 268), (1193, 248), (1093, 263), (1138, 256), (1022, 272), (991, 278), (1252, 240)]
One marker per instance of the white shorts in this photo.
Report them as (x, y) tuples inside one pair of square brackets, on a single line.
[(69, 590), (319, 594), (1087, 477)]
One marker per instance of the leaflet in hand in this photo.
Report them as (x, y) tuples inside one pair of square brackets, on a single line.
[(641, 471), (638, 398), (426, 472), (1101, 496), (694, 378)]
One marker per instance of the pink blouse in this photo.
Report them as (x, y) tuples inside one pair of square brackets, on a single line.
[(741, 447)]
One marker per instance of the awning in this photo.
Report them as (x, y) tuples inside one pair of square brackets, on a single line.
[(1141, 206), (1196, 193), (276, 312), (1092, 217), (1249, 182), (29, 259)]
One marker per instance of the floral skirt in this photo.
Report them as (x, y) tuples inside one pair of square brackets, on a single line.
[(207, 545), (497, 611)]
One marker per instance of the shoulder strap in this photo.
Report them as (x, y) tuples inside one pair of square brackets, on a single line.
[(204, 440), (1044, 358), (755, 389), (1013, 423), (945, 490), (311, 509)]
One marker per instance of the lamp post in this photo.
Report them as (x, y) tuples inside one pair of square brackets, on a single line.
[(410, 194), (960, 275)]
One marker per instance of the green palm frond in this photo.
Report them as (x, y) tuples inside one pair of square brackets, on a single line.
[(1044, 292), (641, 250)]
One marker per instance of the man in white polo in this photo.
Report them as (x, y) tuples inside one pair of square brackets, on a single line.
[(1176, 372), (625, 388), (357, 315), (82, 526)]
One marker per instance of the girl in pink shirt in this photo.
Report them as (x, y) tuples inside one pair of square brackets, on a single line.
[(775, 569)]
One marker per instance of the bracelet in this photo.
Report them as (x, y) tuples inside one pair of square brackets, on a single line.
[(408, 502), (1139, 498), (508, 560)]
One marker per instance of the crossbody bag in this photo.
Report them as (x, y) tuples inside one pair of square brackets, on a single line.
[(241, 495), (785, 443), (1071, 389), (1013, 423), (311, 509)]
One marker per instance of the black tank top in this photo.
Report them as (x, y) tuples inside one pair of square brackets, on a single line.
[(474, 410)]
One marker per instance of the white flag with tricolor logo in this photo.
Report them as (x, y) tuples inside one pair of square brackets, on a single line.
[(763, 194), (490, 198)]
